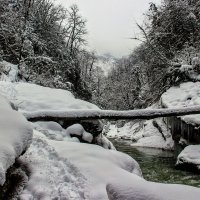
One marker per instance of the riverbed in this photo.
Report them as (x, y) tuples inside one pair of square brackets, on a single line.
[(158, 165)]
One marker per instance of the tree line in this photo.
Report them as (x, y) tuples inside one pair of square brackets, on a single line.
[(169, 54), (47, 42)]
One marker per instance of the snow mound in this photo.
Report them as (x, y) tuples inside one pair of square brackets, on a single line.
[(50, 129), (52, 177), (190, 155), (31, 98), (15, 136), (99, 166), (139, 189), (77, 130), (185, 95), (76, 171)]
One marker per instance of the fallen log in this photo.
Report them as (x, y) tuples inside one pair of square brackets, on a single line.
[(110, 114)]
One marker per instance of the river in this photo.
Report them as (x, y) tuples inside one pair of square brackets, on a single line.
[(158, 165)]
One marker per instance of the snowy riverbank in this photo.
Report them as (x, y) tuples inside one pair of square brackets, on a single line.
[(60, 166), (150, 133)]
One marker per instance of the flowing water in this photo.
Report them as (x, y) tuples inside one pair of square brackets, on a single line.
[(158, 165)]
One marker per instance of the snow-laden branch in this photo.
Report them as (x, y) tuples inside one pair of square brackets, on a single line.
[(111, 114)]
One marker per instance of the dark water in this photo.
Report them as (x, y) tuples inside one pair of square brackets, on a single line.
[(158, 165)]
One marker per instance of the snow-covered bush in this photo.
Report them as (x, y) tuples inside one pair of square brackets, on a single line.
[(43, 71), (8, 71)]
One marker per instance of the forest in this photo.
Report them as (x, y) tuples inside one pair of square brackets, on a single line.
[(48, 44)]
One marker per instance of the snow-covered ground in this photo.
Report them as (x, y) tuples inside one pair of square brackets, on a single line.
[(190, 156), (184, 95), (144, 134)]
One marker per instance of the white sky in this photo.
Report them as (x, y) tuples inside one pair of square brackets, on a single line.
[(111, 22)]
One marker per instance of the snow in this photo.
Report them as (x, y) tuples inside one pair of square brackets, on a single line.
[(185, 68), (15, 136), (50, 129), (98, 165), (78, 130), (52, 177), (129, 189), (9, 72), (104, 142), (33, 98), (61, 167), (75, 129), (144, 134), (36, 101), (190, 155), (88, 137), (185, 95), (67, 170), (106, 63), (70, 170)]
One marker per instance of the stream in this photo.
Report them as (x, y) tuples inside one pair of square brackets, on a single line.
[(158, 165)]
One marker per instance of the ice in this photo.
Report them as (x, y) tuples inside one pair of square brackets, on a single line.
[(15, 136)]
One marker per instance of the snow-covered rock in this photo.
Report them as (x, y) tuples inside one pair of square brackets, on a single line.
[(87, 137), (144, 134), (50, 129), (189, 158), (184, 95), (104, 142), (139, 189), (77, 130), (15, 136), (31, 98)]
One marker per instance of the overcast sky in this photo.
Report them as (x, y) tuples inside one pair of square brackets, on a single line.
[(111, 22)]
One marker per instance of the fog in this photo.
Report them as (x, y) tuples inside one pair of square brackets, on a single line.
[(110, 23)]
